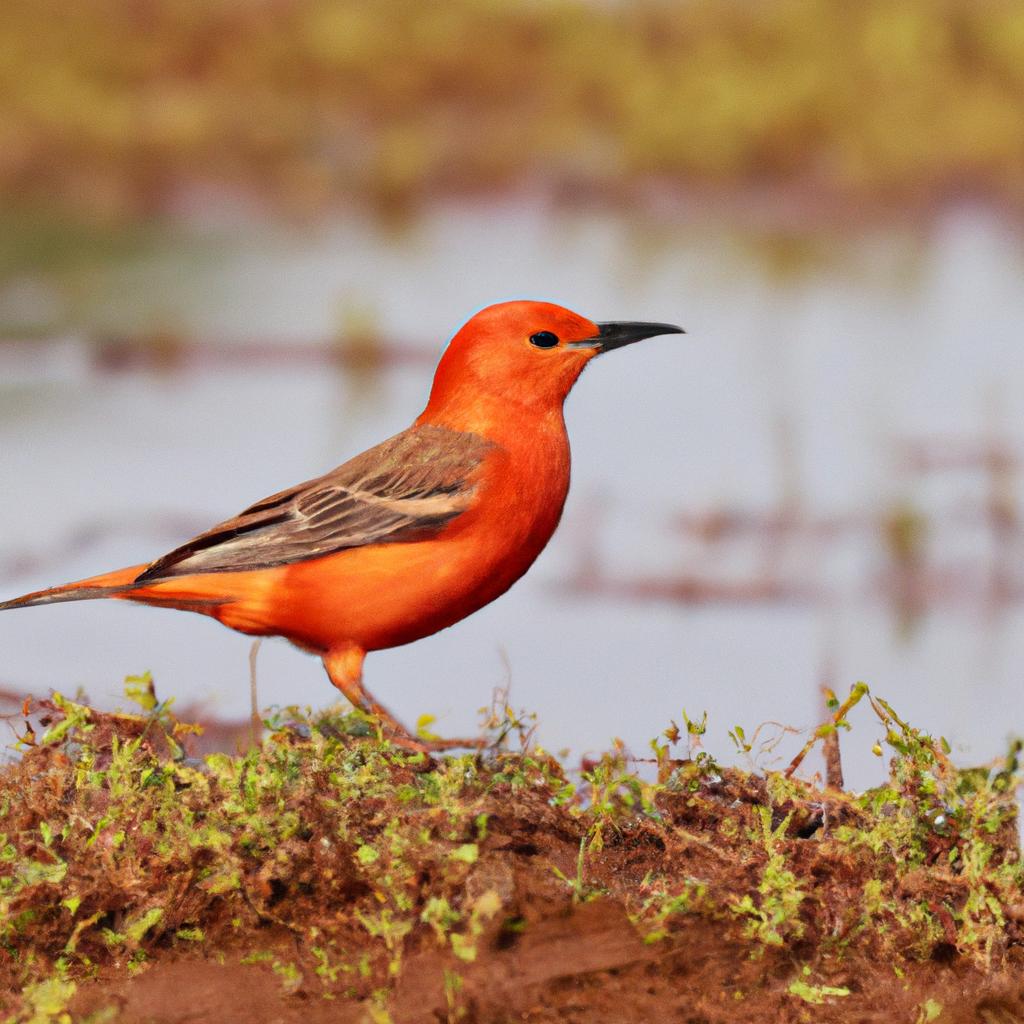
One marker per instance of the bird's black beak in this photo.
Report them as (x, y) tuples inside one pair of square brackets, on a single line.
[(616, 335)]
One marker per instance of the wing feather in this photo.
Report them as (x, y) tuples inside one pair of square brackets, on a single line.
[(404, 489)]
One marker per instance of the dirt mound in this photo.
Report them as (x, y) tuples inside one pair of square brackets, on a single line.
[(328, 875)]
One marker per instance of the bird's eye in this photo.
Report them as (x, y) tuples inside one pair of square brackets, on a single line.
[(544, 339)]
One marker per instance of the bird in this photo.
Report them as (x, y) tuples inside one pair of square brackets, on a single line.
[(412, 535)]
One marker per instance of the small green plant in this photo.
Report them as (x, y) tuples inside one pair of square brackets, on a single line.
[(663, 902), (577, 884), (816, 994), (773, 918)]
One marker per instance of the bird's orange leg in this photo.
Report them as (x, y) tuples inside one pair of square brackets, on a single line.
[(344, 667)]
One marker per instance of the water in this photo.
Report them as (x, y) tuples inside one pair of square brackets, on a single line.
[(807, 365)]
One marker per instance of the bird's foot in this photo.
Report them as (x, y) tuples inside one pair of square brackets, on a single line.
[(434, 746), (344, 670)]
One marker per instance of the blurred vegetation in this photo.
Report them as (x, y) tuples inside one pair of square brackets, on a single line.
[(116, 108)]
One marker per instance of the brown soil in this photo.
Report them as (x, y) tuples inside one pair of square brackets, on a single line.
[(570, 962), (581, 965)]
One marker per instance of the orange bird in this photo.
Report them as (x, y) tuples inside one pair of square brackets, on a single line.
[(414, 534)]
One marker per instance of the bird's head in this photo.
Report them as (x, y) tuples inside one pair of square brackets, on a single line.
[(527, 354)]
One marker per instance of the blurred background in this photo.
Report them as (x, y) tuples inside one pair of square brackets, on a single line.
[(234, 237)]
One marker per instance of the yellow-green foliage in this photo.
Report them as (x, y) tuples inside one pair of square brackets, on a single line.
[(111, 105)]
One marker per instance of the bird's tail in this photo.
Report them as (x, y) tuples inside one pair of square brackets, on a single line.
[(110, 584)]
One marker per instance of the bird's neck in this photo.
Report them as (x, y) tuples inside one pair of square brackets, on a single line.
[(495, 417)]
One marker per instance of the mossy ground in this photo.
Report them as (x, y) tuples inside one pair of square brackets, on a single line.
[(329, 875)]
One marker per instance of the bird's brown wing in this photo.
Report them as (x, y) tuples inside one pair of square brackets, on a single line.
[(404, 489)]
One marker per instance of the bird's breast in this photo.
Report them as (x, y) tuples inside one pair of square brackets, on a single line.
[(521, 492)]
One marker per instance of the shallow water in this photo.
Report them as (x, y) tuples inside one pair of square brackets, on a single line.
[(808, 367)]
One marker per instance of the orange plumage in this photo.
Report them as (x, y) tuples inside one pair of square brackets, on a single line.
[(412, 535)]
